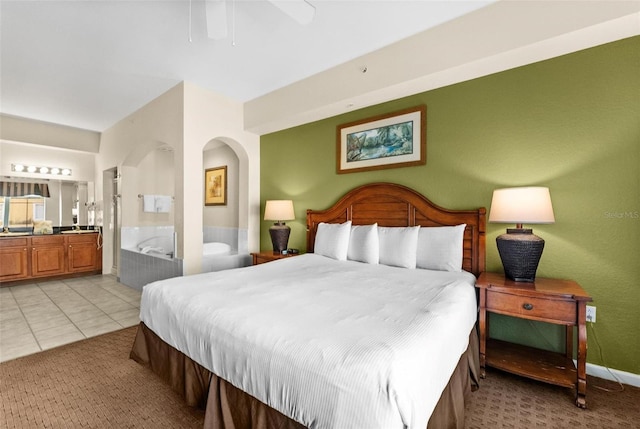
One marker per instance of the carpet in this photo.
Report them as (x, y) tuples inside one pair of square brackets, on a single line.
[(94, 384), (509, 401), (89, 384)]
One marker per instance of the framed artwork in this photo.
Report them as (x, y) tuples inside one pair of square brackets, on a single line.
[(215, 186), (393, 140)]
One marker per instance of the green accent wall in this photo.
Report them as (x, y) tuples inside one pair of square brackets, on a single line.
[(571, 123)]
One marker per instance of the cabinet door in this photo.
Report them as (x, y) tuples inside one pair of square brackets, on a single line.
[(13, 263), (47, 260), (82, 257)]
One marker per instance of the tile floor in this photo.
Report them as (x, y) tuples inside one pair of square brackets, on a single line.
[(40, 316)]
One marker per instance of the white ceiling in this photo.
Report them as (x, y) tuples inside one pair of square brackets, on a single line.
[(90, 63)]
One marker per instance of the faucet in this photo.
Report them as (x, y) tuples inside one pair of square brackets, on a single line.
[(5, 229), (76, 227)]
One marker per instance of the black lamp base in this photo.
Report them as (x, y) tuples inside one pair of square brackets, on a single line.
[(279, 236), (520, 251)]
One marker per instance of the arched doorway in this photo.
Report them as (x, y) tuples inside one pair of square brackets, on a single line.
[(222, 218), (146, 203)]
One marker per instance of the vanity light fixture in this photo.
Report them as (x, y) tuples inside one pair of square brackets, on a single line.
[(55, 171)]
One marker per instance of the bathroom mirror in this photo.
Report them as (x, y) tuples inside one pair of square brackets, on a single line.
[(67, 205)]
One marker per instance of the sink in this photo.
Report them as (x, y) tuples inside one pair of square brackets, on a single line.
[(13, 234), (82, 231)]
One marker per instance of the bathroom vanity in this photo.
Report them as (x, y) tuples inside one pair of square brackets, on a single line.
[(70, 253)]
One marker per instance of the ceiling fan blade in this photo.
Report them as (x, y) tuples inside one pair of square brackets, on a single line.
[(299, 10), (216, 13)]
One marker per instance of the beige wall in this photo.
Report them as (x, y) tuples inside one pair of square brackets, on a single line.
[(154, 175), (82, 164), (124, 146), (185, 118), (47, 134), (209, 116)]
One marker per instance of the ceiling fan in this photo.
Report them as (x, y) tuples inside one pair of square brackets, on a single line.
[(216, 13)]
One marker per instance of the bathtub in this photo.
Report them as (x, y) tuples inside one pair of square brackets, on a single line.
[(218, 256), (153, 259), (160, 246)]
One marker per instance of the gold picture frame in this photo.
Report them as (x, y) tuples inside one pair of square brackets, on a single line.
[(397, 139), (215, 186)]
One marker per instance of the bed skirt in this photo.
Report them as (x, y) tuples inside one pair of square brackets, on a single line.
[(227, 407)]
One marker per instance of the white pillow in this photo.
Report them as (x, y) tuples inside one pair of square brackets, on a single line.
[(440, 248), (398, 246), (332, 240), (364, 244)]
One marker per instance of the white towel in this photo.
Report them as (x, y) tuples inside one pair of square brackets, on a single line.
[(163, 203), (149, 203)]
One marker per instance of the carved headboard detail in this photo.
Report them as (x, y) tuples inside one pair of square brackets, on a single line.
[(390, 204)]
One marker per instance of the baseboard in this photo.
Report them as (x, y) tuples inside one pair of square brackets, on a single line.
[(613, 374)]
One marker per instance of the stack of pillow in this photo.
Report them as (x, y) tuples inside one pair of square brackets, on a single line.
[(432, 248)]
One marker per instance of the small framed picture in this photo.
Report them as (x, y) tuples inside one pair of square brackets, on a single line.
[(387, 141), (215, 186)]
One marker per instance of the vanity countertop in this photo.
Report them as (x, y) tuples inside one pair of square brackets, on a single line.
[(29, 234)]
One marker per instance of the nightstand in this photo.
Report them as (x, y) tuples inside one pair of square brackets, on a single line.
[(268, 256), (562, 302)]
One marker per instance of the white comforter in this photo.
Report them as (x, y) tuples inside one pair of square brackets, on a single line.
[(330, 344)]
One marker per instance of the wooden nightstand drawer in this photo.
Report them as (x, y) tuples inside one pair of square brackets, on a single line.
[(545, 309)]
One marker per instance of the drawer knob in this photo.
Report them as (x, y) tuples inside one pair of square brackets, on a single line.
[(527, 306)]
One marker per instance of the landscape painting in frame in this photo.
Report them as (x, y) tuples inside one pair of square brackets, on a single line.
[(387, 141), (215, 186)]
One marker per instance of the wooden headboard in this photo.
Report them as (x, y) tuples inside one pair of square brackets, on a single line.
[(389, 204)]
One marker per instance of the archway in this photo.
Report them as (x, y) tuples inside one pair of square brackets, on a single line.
[(225, 219), (147, 229)]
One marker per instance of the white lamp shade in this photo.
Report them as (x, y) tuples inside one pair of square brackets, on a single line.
[(279, 210), (530, 205)]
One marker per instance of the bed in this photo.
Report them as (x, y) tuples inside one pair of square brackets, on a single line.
[(326, 339)]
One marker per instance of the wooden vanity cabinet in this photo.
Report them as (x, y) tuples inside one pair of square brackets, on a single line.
[(14, 259), (44, 256), (82, 254), (47, 256)]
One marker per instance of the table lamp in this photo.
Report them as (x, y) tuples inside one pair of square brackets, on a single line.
[(520, 250), (279, 210)]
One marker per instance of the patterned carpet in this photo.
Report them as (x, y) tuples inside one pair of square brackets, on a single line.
[(94, 384), (509, 401), (89, 384)]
